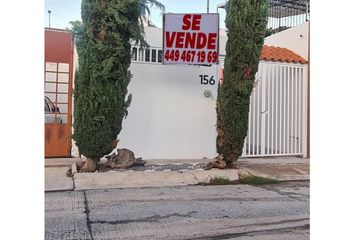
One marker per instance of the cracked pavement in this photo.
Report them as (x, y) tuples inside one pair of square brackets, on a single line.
[(279, 211)]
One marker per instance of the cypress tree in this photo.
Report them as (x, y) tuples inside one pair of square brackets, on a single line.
[(100, 96), (246, 22)]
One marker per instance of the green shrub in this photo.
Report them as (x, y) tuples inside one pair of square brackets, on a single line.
[(220, 180), (254, 180), (100, 96), (246, 21)]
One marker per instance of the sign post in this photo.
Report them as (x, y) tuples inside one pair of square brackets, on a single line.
[(191, 38)]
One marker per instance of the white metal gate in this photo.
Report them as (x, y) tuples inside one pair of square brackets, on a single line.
[(278, 111)]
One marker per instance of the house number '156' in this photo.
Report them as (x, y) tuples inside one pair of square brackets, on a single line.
[(205, 80)]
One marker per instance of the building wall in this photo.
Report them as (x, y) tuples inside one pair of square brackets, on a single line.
[(170, 118), (295, 39), (153, 36)]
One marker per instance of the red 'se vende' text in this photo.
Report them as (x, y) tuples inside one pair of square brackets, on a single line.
[(197, 40)]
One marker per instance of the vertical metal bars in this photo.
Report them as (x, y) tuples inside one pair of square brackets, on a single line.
[(277, 113)]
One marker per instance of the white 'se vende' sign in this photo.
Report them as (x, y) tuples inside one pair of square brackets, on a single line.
[(191, 38)]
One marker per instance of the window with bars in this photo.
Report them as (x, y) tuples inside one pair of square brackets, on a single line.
[(56, 91), (159, 56), (153, 55), (147, 55), (150, 55), (134, 54), (284, 14)]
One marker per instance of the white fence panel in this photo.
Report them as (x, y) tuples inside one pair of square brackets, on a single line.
[(278, 111)]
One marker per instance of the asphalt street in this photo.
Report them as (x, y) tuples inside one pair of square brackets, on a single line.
[(279, 211)]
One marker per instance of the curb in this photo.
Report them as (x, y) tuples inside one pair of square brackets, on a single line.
[(61, 162), (73, 168), (85, 181), (52, 165), (245, 172), (295, 178), (59, 190)]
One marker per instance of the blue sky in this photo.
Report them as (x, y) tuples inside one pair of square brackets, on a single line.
[(63, 11)]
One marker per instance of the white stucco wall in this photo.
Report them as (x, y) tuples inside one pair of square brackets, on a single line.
[(170, 118), (295, 39)]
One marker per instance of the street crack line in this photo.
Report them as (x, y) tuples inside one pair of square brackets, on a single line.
[(299, 220), (252, 233), (87, 212), (74, 185), (288, 194), (154, 218)]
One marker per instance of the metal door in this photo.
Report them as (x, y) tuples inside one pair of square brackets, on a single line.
[(58, 72), (278, 111)]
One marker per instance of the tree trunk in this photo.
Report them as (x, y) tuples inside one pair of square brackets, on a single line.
[(89, 166)]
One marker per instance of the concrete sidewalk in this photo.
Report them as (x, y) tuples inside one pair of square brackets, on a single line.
[(56, 178), (281, 168), (60, 162)]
